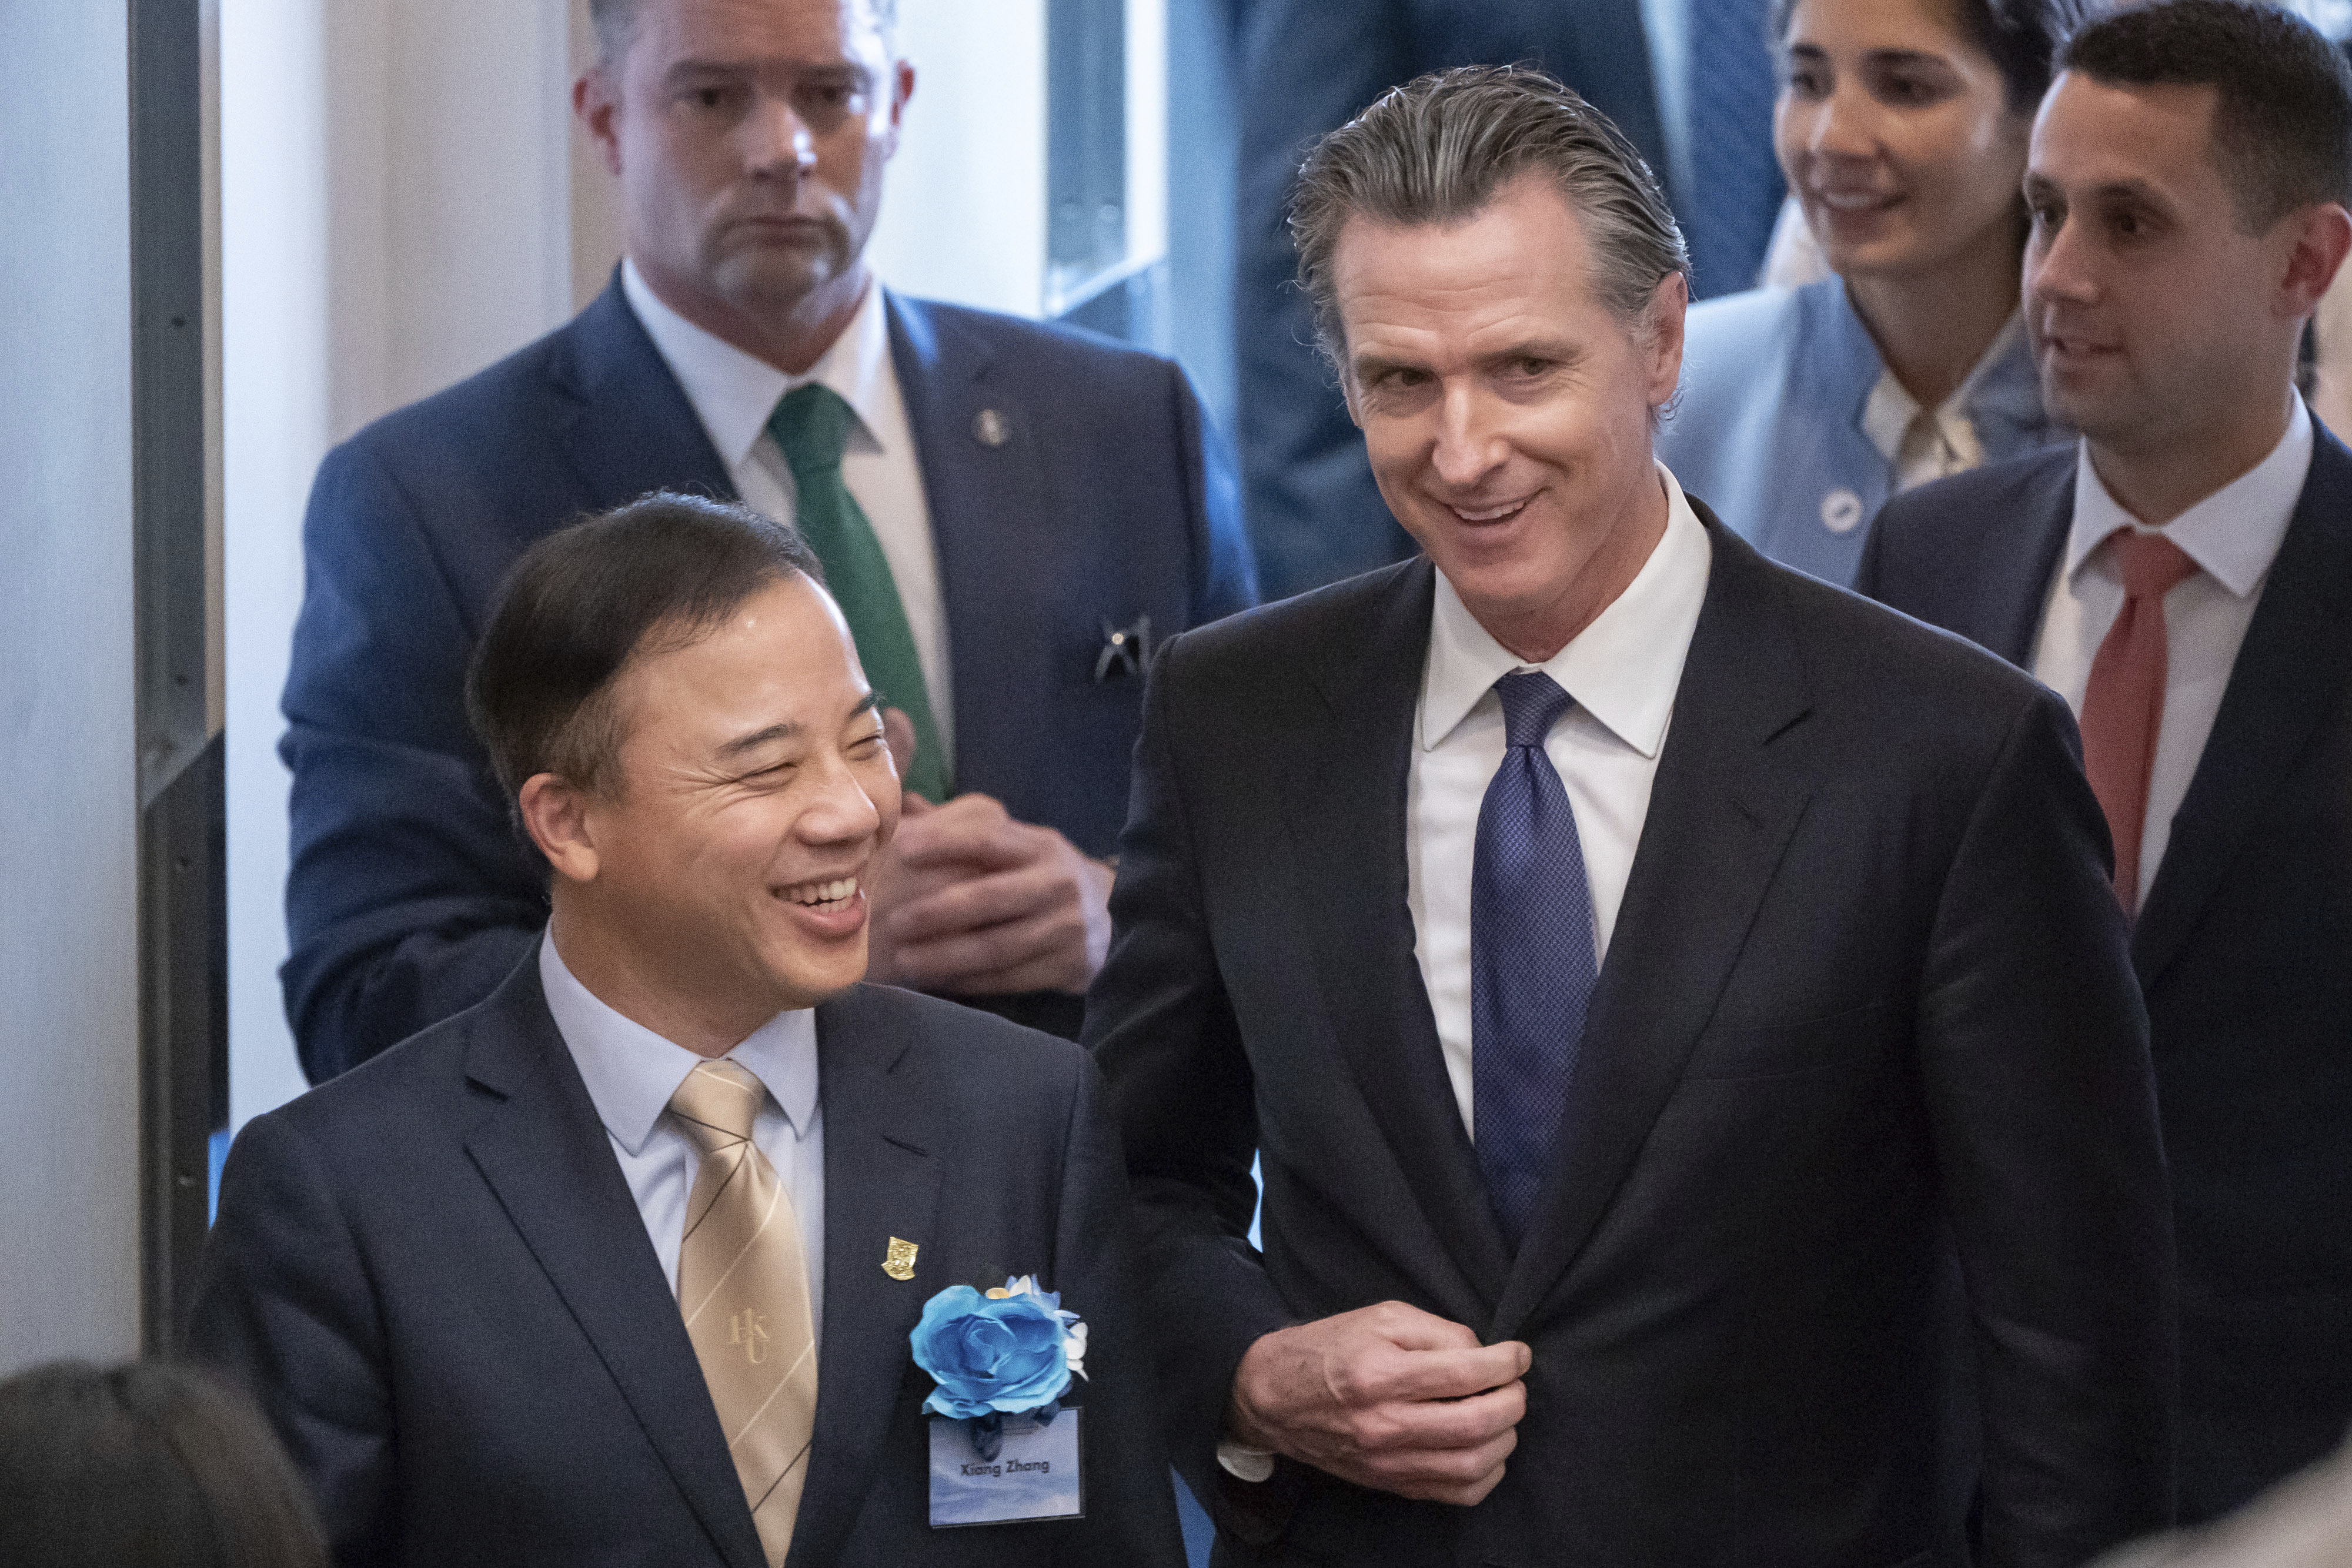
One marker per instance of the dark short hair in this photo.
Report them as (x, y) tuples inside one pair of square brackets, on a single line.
[(145, 1466), (2022, 37), (615, 22), (1437, 149), (2283, 128), (658, 574)]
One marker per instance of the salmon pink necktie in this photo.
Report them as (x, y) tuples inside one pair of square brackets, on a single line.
[(2123, 705)]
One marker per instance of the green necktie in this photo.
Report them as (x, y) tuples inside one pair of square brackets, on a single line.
[(812, 426)]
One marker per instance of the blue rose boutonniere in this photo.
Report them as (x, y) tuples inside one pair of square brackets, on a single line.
[(1009, 1351)]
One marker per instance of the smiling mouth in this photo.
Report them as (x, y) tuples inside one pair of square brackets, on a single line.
[(1855, 201), (822, 896), (1491, 514)]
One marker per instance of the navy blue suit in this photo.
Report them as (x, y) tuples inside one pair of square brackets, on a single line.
[(409, 896), (432, 1277), (2243, 950), (1308, 66)]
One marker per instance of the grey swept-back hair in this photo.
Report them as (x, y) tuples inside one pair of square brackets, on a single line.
[(1436, 150), (615, 22)]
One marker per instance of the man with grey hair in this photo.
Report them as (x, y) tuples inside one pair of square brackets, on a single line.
[(1640, 969), (1008, 511)]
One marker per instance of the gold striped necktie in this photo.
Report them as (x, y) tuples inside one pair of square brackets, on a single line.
[(742, 1286)]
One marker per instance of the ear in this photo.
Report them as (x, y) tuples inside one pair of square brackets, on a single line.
[(595, 100), (555, 814), (902, 88), (2322, 234), (1669, 305)]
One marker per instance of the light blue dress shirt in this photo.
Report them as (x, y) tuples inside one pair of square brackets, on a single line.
[(1768, 427), (631, 1072)]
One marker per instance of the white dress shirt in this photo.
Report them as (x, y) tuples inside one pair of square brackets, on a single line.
[(1622, 670), (631, 1072), (1921, 445), (734, 393), (2232, 535)]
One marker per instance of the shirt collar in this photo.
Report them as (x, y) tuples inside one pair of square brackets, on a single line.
[(1886, 416), (2232, 535), (733, 393), (631, 1072), (1623, 669)]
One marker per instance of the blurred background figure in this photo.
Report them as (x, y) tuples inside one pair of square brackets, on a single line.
[(2305, 1522), (1901, 127), (144, 1466), (1689, 81)]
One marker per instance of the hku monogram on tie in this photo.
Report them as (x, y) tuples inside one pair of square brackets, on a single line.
[(746, 1330)]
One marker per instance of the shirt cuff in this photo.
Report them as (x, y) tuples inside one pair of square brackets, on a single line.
[(1252, 1465)]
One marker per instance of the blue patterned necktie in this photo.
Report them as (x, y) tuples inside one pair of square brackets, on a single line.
[(1736, 185), (1532, 963)]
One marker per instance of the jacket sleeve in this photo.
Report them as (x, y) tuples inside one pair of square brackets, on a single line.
[(1179, 1083), (2034, 1059), (1131, 1508), (1306, 68), (284, 1310), (409, 895), (1224, 577)]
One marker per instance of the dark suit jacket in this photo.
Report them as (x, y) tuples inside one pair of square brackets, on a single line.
[(1867, 982), (409, 896), (1306, 68), (2243, 950), (434, 1278)]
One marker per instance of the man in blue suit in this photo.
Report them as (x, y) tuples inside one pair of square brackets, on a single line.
[(1011, 515), (2183, 576), (1689, 81), (621, 1265)]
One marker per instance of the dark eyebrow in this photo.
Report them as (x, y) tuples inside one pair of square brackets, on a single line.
[(1905, 58), (786, 730), (870, 703), (1535, 349)]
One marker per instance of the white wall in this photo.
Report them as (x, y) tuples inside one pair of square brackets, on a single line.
[(68, 837), (394, 214), (963, 214)]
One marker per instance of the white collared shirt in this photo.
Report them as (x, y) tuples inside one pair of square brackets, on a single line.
[(2232, 535), (1622, 671), (1920, 446), (631, 1072), (734, 393)]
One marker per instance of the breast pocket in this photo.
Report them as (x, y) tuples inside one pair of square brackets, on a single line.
[(1845, 1039)]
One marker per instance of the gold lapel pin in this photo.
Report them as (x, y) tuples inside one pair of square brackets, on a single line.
[(898, 1261), (990, 428)]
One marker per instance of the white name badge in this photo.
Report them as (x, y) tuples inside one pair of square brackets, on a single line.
[(1033, 1475)]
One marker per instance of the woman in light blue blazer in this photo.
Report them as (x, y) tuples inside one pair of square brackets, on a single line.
[(1902, 126)]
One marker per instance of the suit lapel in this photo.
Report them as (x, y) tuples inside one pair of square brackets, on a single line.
[(1347, 818), (2008, 579), (546, 1157), (624, 421), (2290, 672), (1729, 795), (881, 1181), (985, 482)]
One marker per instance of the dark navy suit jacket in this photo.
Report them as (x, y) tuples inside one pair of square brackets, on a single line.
[(409, 896), (1867, 987), (431, 1275), (2243, 950)]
